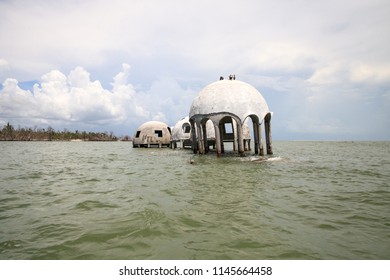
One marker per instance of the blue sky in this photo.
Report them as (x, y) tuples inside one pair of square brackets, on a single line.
[(322, 66)]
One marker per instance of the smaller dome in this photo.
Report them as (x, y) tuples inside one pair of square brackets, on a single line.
[(152, 133), (181, 130)]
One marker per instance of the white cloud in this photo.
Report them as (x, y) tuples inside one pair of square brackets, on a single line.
[(160, 117), (71, 99), (361, 72)]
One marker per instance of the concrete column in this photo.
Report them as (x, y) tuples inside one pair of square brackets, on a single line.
[(235, 138), (221, 132), (194, 143), (261, 140), (256, 136), (200, 138), (204, 133), (268, 137), (217, 139), (240, 139)]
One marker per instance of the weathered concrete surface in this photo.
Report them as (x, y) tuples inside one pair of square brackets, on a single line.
[(232, 96), (152, 134)]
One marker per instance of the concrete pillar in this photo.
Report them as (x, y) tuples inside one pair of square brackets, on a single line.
[(194, 143), (268, 137), (204, 133), (200, 138), (256, 136), (217, 139), (235, 134), (221, 132), (261, 140), (240, 139)]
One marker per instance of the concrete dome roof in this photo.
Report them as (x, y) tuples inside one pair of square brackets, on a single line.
[(152, 125), (230, 96), (179, 132)]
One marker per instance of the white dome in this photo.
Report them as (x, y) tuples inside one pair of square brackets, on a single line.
[(152, 133), (230, 96), (181, 130), (152, 125)]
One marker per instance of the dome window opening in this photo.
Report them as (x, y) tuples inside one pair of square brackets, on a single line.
[(186, 128), (228, 128)]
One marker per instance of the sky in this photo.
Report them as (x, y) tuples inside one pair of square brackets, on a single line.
[(322, 66)]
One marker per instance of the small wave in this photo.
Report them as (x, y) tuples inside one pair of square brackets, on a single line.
[(264, 159), (91, 204), (327, 226), (10, 244), (275, 159)]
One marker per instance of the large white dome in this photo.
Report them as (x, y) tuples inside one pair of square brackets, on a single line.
[(230, 96)]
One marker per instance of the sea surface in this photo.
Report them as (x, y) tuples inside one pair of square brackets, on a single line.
[(107, 200)]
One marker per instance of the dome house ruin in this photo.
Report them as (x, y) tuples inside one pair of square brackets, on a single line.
[(152, 134), (229, 105)]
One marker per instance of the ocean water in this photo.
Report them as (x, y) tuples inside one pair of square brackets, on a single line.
[(92, 200)]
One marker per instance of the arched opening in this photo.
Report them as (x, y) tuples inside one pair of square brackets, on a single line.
[(202, 135), (230, 133), (227, 134), (206, 135), (254, 127), (186, 128)]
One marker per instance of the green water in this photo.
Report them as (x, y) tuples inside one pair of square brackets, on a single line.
[(91, 200)]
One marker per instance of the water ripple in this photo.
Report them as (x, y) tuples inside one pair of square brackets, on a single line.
[(311, 200)]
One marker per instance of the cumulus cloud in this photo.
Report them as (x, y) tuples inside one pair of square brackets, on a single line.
[(72, 99)]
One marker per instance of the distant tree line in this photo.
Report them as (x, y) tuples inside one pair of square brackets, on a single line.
[(10, 133)]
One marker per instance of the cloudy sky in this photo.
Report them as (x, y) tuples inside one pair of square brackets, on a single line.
[(323, 66)]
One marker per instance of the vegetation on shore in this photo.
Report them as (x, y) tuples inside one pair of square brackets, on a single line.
[(10, 133)]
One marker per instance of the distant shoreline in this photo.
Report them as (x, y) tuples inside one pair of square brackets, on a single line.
[(60, 140), (10, 133)]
